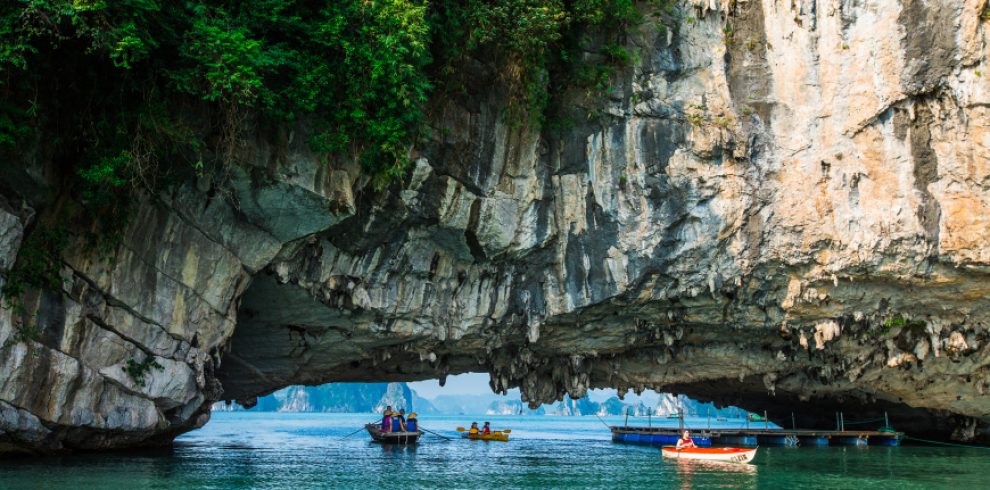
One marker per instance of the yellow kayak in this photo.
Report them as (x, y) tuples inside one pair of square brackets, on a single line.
[(494, 436)]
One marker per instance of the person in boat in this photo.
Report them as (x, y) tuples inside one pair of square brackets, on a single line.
[(685, 442), (487, 429), (387, 419), (412, 425), (399, 420), (474, 428)]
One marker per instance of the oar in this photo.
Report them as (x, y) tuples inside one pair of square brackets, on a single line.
[(359, 430), (434, 433), (603, 421)]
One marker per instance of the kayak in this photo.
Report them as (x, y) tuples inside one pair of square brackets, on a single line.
[(494, 436), (725, 454)]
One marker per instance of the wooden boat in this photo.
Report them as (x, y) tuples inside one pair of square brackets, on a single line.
[(723, 454), (392, 437), (494, 436)]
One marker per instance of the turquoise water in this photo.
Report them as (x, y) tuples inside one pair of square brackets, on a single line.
[(296, 451)]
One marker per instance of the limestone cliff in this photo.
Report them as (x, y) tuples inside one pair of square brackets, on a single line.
[(784, 205), (333, 398)]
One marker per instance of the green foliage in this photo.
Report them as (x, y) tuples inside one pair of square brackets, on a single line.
[(728, 36), (105, 177), (698, 115), (139, 370), (159, 87), (38, 265), (26, 333), (356, 68), (547, 46), (899, 321)]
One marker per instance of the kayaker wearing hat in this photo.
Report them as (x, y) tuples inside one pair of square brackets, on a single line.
[(487, 429), (411, 423), (685, 442)]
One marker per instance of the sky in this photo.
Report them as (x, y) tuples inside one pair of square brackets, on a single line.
[(477, 384)]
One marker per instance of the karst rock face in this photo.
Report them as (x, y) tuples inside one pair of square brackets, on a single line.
[(783, 205)]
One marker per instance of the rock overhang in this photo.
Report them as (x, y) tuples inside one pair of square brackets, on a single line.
[(694, 237)]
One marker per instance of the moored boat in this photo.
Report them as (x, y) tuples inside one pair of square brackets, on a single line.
[(378, 435), (723, 454)]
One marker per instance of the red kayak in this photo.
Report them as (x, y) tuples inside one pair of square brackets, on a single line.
[(725, 454)]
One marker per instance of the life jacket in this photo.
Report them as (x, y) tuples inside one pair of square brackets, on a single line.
[(682, 442), (487, 431), (411, 425), (474, 430)]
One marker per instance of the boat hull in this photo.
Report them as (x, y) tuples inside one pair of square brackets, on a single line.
[(721, 454), (494, 436), (377, 435)]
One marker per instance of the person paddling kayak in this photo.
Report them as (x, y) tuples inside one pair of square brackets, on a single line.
[(685, 442)]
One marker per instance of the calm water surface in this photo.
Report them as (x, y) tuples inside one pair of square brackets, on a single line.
[(296, 451)]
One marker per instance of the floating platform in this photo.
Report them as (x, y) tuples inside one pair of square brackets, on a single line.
[(783, 440), (856, 440), (736, 440), (654, 436), (813, 441), (666, 436)]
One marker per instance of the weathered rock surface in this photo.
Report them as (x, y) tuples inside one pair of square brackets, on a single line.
[(784, 205)]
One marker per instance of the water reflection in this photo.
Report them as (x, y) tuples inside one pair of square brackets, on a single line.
[(693, 473), (388, 448)]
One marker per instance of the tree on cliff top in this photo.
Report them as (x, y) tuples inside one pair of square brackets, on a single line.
[(129, 91)]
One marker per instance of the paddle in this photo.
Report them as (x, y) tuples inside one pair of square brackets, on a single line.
[(434, 433), (359, 430)]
